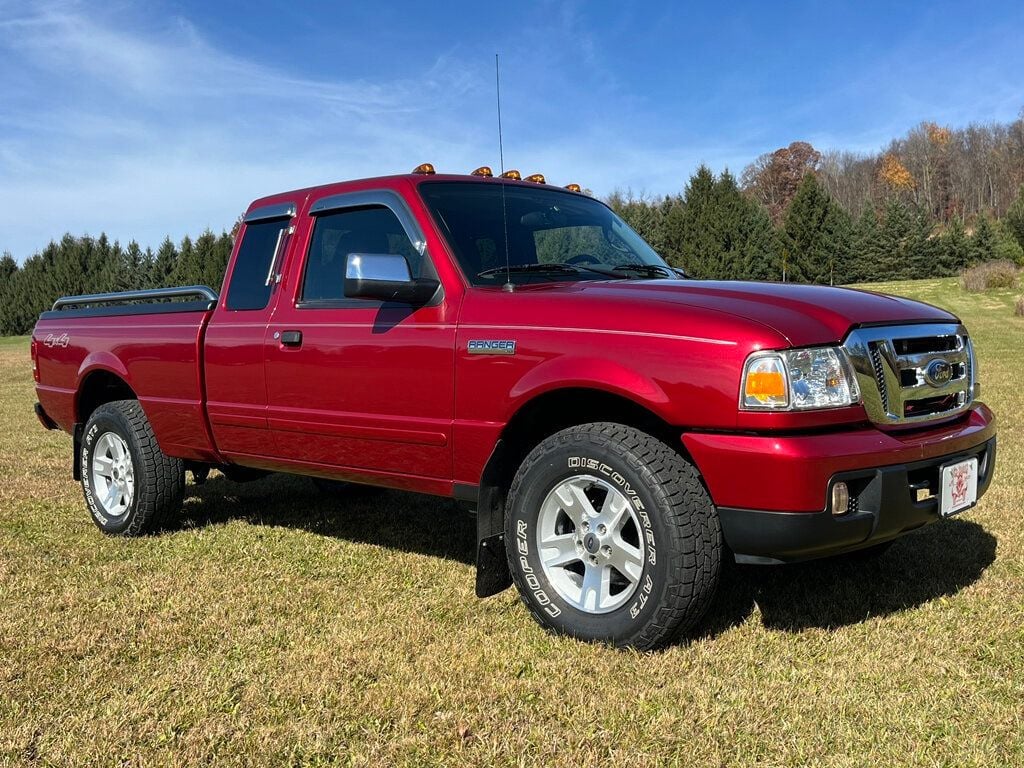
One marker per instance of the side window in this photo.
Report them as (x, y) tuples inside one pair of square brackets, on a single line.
[(248, 288), (373, 229)]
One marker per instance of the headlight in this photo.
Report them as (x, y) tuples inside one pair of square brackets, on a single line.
[(798, 379)]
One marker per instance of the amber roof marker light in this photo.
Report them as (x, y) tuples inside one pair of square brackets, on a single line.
[(424, 169), (574, 187), (483, 170), (512, 174), (536, 178)]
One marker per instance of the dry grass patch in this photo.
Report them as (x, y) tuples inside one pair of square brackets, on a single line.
[(990, 276), (278, 626)]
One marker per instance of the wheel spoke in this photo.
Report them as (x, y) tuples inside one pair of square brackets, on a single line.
[(559, 550), (113, 493), (577, 505), (595, 587), (615, 511), (627, 559), (104, 465)]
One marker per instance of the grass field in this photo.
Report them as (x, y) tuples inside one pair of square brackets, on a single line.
[(278, 626)]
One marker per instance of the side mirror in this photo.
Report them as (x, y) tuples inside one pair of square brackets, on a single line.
[(385, 277)]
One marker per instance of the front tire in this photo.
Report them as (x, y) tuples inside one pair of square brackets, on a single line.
[(611, 536), (130, 486)]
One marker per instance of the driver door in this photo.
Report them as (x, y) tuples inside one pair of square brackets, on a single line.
[(355, 386)]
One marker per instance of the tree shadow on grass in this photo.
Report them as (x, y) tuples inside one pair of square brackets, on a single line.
[(935, 561)]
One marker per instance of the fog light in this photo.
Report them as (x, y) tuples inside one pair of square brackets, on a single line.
[(840, 499)]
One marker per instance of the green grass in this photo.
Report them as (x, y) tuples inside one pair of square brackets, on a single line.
[(278, 626)]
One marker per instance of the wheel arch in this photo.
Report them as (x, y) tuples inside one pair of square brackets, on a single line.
[(97, 386), (547, 412)]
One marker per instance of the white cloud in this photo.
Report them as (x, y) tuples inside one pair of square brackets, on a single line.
[(113, 122), (147, 132)]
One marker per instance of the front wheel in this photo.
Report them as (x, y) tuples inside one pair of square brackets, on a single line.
[(612, 536), (130, 486)]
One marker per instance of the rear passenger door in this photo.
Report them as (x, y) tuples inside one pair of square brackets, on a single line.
[(355, 383), (235, 367)]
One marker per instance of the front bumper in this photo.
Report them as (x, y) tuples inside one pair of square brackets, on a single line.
[(772, 489), (883, 506)]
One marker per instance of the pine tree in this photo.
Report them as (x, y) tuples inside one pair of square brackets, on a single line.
[(865, 263), (189, 269), (924, 252), (692, 235), (982, 245), (1006, 247), (135, 267), (815, 235), (165, 265), (896, 234), (955, 251), (8, 266), (761, 259)]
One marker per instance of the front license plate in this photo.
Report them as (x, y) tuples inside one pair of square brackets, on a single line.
[(958, 486)]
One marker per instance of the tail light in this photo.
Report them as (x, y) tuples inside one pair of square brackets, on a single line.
[(34, 347)]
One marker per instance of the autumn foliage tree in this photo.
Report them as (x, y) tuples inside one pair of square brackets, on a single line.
[(774, 178), (894, 176)]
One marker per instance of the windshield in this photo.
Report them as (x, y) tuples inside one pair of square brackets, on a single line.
[(551, 235)]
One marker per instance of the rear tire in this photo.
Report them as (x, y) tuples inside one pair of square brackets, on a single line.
[(130, 486), (611, 536)]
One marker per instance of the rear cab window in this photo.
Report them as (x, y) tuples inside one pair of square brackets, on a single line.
[(259, 257)]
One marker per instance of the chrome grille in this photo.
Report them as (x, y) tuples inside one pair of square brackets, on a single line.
[(879, 369), (913, 374)]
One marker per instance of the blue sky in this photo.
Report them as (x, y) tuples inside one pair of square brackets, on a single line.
[(157, 118)]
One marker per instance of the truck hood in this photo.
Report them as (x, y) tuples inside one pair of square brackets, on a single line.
[(803, 314)]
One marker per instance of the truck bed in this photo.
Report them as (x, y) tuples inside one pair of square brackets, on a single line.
[(85, 336)]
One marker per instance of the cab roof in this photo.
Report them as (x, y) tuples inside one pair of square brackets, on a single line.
[(394, 181)]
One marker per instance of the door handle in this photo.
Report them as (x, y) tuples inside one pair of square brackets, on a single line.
[(291, 338)]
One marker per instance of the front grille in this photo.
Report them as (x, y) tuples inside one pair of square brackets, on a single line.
[(876, 364), (913, 374)]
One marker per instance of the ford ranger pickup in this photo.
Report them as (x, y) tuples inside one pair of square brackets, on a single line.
[(618, 428)]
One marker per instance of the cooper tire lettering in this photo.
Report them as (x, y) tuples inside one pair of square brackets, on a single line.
[(558, 530)]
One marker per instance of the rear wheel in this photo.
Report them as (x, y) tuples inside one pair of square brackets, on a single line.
[(130, 486), (612, 536)]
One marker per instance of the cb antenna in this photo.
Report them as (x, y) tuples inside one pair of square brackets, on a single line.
[(501, 159)]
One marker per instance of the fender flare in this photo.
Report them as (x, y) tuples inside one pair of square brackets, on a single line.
[(100, 361), (594, 373)]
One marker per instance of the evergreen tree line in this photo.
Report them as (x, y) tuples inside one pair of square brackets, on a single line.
[(77, 265), (716, 230), (713, 229)]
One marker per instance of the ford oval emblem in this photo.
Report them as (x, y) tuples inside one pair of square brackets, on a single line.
[(938, 373)]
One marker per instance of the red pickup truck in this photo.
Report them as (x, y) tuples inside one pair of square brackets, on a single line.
[(619, 429)]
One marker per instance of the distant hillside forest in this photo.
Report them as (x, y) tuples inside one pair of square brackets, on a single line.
[(930, 204)]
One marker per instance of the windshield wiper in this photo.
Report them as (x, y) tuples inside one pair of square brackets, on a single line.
[(650, 270), (555, 268)]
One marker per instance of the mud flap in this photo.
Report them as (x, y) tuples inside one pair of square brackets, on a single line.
[(76, 451), (492, 574)]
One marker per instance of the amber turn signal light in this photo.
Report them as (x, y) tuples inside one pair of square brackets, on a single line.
[(483, 170), (426, 169), (765, 384), (514, 175)]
